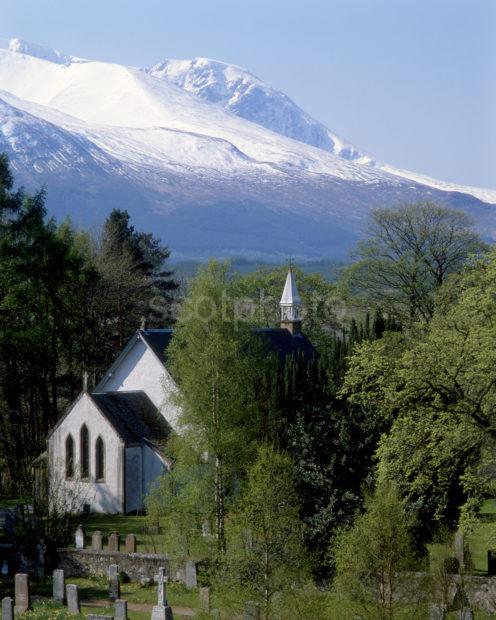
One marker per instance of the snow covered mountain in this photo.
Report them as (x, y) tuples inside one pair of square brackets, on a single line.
[(240, 92), (200, 152)]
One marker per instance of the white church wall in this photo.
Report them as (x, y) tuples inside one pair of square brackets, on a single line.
[(142, 370), (104, 496)]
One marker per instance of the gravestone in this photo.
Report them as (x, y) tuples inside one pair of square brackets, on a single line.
[(97, 541), (58, 585), (79, 537), (191, 574), (215, 614), (130, 543), (7, 608), (113, 542), (99, 617), (162, 611), (437, 612), (5, 569), (205, 599), (114, 584), (120, 610), (459, 549), (466, 614), (252, 611), (72, 597), (22, 598), (162, 593), (206, 528)]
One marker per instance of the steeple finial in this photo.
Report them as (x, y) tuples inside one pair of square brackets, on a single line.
[(290, 304), (143, 323), (85, 381)]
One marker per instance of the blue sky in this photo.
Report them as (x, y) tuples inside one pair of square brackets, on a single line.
[(412, 82)]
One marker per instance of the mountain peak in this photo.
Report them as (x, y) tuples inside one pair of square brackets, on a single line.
[(37, 51), (239, 91)]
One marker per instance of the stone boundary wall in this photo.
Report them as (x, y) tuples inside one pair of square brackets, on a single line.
[(137, 566)]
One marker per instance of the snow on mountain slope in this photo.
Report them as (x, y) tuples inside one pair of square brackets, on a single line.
[(114, 96), (182, 148), (240, 92), (37, 51)]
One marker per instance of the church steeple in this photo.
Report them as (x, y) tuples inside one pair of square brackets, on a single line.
[(290, 305)]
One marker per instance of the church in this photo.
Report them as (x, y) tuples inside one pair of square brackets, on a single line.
[(108, 447)]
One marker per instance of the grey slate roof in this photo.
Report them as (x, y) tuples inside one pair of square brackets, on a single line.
[(133, 416), (281, 341), (276, 339), (158, 340)]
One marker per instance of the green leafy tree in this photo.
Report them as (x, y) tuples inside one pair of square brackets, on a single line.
[(370, 558), (266, 557), (408, 254), (209, 356)]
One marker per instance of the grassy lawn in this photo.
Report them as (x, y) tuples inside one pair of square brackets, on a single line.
[(125, 524), (484, 536), (95, 589)]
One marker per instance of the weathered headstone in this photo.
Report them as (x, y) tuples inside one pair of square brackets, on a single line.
[(99, 617), (22, 598), (459, 548), (205, 599), (120, 610), (162, 611), (114, 584), (437, 612), (97, 541), (162, 593), (130, 543), (191, 574), (215, 614), (252, 611), (7, 608), (466, 614), (79, 537), (113, 542), (72, 597), (206, 528), (58, 585), (5, 569)]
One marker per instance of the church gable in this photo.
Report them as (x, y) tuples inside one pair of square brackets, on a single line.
[(140, 366), (85, 456)]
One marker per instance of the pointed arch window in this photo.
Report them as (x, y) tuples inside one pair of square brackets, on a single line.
[(99, 460), (84, 446), (69, 457)]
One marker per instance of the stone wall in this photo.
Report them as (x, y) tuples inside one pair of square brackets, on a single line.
[(86, 562)]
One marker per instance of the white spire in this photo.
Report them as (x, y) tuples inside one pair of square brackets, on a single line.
[(290, 293), (290, 304)]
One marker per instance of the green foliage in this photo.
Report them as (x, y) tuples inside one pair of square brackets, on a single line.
[(371, 555), (208, 356), (181, 501), (265, 555), (408, 254)]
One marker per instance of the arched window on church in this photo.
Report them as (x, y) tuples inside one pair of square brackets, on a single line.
[(99, 460), (69, 457), (84, 446)]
